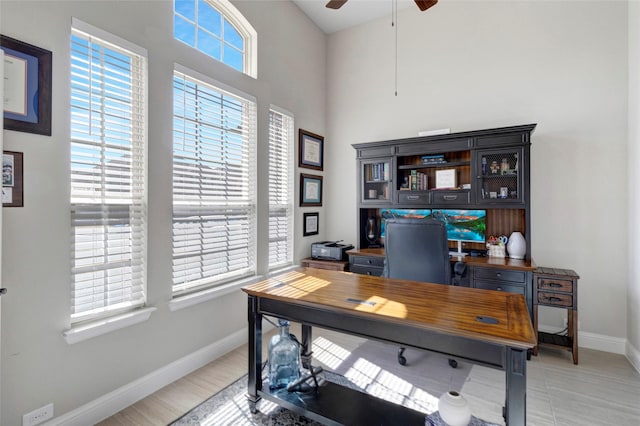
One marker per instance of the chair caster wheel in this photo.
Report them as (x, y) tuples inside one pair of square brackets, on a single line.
[(453, 363), (402, 360)]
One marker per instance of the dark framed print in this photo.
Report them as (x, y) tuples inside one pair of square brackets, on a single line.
[(27, 88), (311, 150), (12, 191), (311, 224), (310, 190)]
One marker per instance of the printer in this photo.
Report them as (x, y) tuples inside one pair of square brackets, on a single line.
[(330, 250)]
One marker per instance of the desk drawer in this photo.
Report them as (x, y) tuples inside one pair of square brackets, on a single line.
[(366, 270), (413, 197), (555, 299), (499, 274), (367, 261), (499, 286), (554, 284), (451, 197)]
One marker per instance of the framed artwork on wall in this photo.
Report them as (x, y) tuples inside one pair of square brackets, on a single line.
[(27, 88), (310, 150), (311, 224), (12, 191), (310, 190)]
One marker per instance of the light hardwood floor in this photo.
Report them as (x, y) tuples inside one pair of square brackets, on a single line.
[(603, 389)]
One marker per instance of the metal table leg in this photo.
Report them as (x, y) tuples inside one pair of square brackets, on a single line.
[(516, 387), (255, 353)]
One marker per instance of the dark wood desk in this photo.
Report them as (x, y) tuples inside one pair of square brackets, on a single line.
[(489, 273), (444, 319)]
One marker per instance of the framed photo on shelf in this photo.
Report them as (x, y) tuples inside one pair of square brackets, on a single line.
[(311, 224), (310, 152), (12, 191), (27, 88), (310, 190)]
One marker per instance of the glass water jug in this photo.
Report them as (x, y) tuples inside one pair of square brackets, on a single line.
[(284, 358)]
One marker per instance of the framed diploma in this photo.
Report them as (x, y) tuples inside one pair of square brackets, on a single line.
[(27, 87), (310, 190), (310, 150), (310, 224), (12, 192)]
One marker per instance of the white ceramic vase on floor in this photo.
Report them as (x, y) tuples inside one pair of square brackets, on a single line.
[(454, 409), (516, 246)]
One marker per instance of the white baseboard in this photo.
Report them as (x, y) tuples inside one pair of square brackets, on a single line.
[(113, 402), (633, 355), (598, 342)]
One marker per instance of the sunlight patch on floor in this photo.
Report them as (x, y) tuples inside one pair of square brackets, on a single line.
[(236, 412), (329, 353), (386, 385)]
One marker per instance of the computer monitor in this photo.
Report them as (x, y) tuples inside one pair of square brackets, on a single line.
[(462, 225)]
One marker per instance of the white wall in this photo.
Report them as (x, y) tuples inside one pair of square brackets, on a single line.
[(474, 65), (633, 298), (38, 367)]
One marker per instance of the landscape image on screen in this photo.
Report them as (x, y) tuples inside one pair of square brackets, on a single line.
[(462, 225)]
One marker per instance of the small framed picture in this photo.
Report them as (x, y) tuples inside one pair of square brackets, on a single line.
[(446, 179), (310, 190), (311, 147), (12, 192), (311, 224)]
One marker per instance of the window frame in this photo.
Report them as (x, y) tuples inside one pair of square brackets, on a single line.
[(136, 199), (241, 25), (214, 282), (283, 179)]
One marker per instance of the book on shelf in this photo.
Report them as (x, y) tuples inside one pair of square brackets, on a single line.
[(418, 181), (433, 159)]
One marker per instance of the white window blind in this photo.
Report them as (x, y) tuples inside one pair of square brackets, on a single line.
[(108, 174), (214, 206), (280, 189)]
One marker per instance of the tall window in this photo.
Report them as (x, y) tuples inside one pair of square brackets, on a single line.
[(218, 29), (214, 206), (280, 188), (108, 173)]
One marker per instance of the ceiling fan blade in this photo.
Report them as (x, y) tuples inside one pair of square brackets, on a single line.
[(425, 4), (336, 4)]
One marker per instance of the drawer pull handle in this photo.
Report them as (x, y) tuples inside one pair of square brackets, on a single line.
[(498, 275), (554, 299), (413, 197), (369, 262), (555, 285), (450, 197)]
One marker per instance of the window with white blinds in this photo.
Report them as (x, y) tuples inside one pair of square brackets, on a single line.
[(108, 174), (214, 169), (280, 188)]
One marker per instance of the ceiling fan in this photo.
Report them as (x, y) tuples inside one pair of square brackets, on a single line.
[(422, 4)]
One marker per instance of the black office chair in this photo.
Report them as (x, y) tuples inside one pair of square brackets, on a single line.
[(417, 249)]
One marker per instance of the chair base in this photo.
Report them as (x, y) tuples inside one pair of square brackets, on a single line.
[(402, 360)]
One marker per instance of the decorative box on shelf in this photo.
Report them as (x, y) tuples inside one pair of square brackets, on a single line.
[(496, 250)]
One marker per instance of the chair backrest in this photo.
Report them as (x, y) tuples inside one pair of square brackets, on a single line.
[(417, 249)]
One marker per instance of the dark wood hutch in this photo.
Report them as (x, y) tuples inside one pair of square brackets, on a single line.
[(482, 169)]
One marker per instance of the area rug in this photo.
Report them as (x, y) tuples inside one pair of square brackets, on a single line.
[(372, 367)]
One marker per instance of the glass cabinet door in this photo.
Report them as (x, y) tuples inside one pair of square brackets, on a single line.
[(499, 174), (376, 175)]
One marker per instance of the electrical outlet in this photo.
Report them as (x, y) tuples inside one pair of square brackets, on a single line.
[(38, 415)]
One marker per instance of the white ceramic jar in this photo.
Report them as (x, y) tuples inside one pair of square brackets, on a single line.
[(516, 246), (454, 409)]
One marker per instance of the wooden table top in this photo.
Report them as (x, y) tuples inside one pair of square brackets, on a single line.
[(434, 307)]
